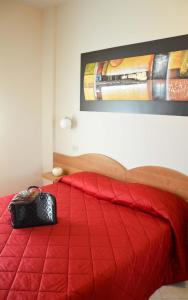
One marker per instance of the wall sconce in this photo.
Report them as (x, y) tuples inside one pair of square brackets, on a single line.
[(66, 123)]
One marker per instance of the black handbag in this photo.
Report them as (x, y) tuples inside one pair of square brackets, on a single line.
[(33, 208)]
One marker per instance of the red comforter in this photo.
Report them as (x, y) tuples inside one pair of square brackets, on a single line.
[(113, 241)]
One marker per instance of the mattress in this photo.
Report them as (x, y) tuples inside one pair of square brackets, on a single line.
[(112, 241)]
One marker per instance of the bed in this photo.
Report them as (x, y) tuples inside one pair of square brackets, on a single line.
[(115, 238)]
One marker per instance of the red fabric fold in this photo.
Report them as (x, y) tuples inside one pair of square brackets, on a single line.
[(150, 200)]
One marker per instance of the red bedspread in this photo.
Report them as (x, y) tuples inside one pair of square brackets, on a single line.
[(113, 241)]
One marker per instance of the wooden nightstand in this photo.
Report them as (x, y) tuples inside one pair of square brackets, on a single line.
[(51, 177)]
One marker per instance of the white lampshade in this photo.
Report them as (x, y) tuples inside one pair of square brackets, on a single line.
[(65, 123), (57, 171)]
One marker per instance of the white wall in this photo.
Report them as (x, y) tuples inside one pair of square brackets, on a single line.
[(20, 96), (48, 85), (132, 139)]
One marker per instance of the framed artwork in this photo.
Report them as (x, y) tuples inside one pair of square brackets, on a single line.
[(149, 77)]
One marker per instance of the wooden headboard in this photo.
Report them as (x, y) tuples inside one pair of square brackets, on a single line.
[(161, 177)]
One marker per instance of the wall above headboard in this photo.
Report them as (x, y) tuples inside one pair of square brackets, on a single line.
[(133, 140)]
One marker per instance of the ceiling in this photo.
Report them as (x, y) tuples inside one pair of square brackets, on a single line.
[(43, 3)]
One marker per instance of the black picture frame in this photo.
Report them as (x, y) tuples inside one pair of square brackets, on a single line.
[(161, 107)]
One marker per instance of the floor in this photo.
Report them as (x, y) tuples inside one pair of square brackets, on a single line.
[(177, 291)]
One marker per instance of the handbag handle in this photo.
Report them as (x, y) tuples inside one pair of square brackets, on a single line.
[(34, 187)]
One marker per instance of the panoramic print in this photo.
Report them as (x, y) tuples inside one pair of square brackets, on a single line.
[(162, 76)]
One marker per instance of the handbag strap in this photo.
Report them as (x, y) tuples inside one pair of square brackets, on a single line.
[(34, 187), (25, 197)]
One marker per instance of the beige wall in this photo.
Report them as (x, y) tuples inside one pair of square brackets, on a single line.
[(48, 85), (40, 70), (132, 139), (20, 96)]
